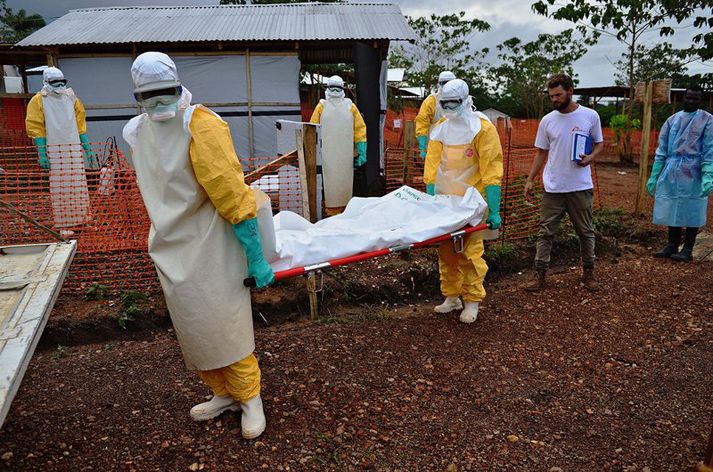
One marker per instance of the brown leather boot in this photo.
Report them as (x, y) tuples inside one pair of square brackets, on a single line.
[(538, 281), (590, 283)]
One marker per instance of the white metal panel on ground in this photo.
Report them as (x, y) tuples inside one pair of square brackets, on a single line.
[(31, 277)]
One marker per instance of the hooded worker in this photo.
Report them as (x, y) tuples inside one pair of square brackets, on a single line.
[(204, 237), (682, 175), (464, 151), (56, 122), (342, 126), (431, 112)]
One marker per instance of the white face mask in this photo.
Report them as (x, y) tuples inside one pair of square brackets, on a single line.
[(161, 108)]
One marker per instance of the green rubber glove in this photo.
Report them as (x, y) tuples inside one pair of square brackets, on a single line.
[(88, 154), (431, 189), (41, 144), (707, 182), (655, 172), (361, 154), (492, 196), (248, 234), (422, 145)]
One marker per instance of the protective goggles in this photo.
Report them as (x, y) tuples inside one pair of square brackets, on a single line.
[(451, 104), (171, 91), (335, 88), (443, 82), (58, 82)]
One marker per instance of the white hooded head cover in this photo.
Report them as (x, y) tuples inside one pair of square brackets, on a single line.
[(462, 125)]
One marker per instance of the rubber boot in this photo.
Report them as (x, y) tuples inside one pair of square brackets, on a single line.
[(590, 283), (253, 422), (674, 240), (667, 251), (214, 407), (449, 304), (538, 281), (686, 254), (470, 313)]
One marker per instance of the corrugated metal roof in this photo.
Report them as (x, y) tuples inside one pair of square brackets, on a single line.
[(281, 22)]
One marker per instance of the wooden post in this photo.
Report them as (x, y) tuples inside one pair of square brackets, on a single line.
[(250, 104), (302, 168), (409, 146), (644, 159), (309, 136), (313, 301)]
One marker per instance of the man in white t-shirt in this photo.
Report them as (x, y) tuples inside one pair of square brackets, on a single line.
[(567, 177)]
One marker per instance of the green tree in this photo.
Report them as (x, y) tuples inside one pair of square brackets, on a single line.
[(16, 26), (444, 44), (628, 20), (704, 80), (525, 67), (662, 61)]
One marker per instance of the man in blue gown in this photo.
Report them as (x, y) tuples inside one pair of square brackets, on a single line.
[(682, 175)]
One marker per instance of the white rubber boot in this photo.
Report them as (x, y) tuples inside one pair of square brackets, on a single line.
[(212, 408), (470, 313), (253, 421), (449, 304)]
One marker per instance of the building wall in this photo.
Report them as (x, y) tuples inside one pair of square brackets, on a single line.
[(105, 87)]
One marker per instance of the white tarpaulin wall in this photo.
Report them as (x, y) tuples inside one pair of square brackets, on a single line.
[(104, 85), (404, 216)]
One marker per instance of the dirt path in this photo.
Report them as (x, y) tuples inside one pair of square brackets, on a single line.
[(618, 381)]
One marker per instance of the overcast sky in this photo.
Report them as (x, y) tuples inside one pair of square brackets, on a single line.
[(507, 18)]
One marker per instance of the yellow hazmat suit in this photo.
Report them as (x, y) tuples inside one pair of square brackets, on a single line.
[(35, 120), (359, 125), (204, 238), (56, 121), (428, 115), (337, 144), (452, 168)]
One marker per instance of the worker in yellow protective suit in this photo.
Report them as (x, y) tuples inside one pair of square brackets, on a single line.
[(204, 237), (342, 127), (431, 112), (57, 124), (464, 151)]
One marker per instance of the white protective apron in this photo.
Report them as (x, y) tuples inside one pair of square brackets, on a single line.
[(200, 263), (457, 169), (68, 182), (337, 151)]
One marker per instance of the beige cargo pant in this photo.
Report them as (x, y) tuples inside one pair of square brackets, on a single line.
[(579, 207)]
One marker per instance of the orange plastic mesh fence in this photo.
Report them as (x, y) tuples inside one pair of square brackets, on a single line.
[(520, 214), (12, 122), (99, 206), (523, 133), (94, 198)]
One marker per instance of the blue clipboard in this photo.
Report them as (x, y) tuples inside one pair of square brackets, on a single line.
[(581, 144)]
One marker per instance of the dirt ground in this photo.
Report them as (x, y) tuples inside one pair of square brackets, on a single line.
[(561, 380)]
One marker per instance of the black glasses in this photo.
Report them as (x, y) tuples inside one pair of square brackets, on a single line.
[(141, 96)]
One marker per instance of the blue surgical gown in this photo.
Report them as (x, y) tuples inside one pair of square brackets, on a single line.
[(685, 142)]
